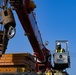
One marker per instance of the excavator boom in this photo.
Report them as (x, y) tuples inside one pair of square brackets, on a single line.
[(24, 10)]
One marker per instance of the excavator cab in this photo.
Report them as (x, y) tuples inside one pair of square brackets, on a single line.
[(62, 60)]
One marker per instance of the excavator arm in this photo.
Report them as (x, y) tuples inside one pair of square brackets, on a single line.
[(30, 26), (24, 10)]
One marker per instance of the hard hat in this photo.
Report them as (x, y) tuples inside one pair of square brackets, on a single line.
[(58, 43)]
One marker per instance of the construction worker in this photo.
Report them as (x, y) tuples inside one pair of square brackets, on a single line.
[(59, 49)]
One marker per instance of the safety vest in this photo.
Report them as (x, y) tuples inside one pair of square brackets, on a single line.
[(60, 51)]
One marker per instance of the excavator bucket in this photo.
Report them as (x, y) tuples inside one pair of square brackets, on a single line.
[(62, 60)]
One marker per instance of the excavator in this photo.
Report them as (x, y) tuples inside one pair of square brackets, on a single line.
[(24, 10), (27, 17)]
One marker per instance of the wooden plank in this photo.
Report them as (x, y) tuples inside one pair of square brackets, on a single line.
[(12, 58), (14, 69), (11, 69), (15, 60), (32, 63), (27, 55), (20, 62), (8, 70), (3, 64), (17, 54)]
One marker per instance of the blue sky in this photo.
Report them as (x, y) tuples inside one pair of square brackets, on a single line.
[(56, 20)]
